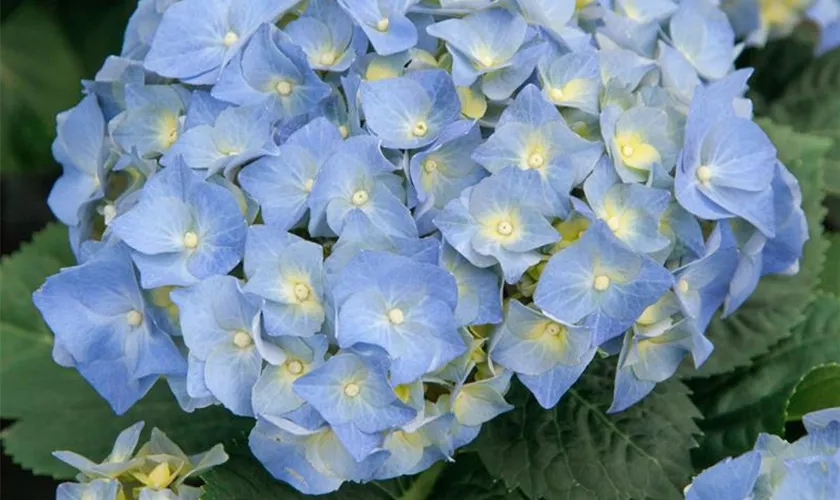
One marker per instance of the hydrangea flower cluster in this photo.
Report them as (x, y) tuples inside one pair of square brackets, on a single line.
[(158, 471), (806, 468), (356, 220)]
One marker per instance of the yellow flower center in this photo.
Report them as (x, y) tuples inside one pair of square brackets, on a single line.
[(134, 318), (295, 367), (396, 316), (556, 94), (420, 129), (601, 283), (230, 38), (614, 223), (327, 58), (704, 174), (383, 24), (682, 286), (284, 88), (302, 292), (190, 240), (352, 389), (536, 160), (359, 198), (627, 150), (553, 329), (241, 339), (344, 131), (504, 228), (430, 166)]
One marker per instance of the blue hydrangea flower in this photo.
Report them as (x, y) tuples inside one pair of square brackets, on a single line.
[(352, 394), (153, 119), (632, 211), (98, 489), (480, 401), (547, 356), (702, 285), (494, 45), (398, 304), (572, 80), (238, 135), (281, 184), (702, 34), (637, 139), (631, 33), (274, 72), (358, 178), (360, 234), (111, 333), (182, 229), (685, 236), (440, 172), (730, 479), (313, 461), (499, 221), (142, 27), (385, 23), (727, 164), (80, 148), (197, 38), (272, 395), (219, 323), (479, 290), (532, 135), (286, 271), (601, 283), (327, 35), (417, 447), (781, 253), (550, 14), (410, 111)]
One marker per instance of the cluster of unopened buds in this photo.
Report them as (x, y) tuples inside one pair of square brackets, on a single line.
[(356, 220), (159, 470)]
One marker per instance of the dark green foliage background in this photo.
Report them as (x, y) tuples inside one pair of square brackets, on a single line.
[(785, 341)]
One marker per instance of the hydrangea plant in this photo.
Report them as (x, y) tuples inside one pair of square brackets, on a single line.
[(354, 221)]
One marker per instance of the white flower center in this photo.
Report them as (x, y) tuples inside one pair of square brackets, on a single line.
[(601, 283), (295, 367), (241, 339), (134, 318), (230, 38), (420, 129), (190, 240), (352, 389), (553, 329), (504, 228), (430, 166), (327, 58), (536, 160), (284, 88), (614, 223), (396, 316), (307, 185), (383, 24), (682, 285), (359, 198), (704, 174), (556, 94), (344, 131), (627, 150)]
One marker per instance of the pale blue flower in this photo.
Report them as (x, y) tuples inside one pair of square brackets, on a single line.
[(479, 290), (730, 479), (572, 80), (384, 22), (197, 38), (219, 324), (405, 307), (153, 119), (281, 184), (600, 283), (273, 72), (327, 35), (499, 221), (410, 111), (183, 229), (286, 271), (638, 139)]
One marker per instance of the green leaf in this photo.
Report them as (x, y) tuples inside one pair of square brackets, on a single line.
[(817, 390), (779, 301), (467, 479), (830, 279), (816, 85), (39, 76), (739, 405), (54, 407), (577, 451)]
